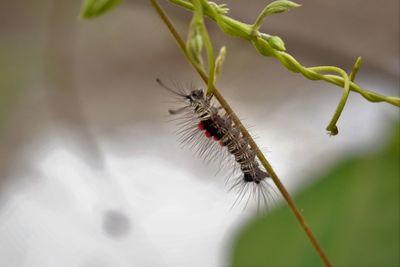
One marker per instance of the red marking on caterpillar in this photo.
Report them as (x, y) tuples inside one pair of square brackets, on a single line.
[(201, 126), (199, 118)]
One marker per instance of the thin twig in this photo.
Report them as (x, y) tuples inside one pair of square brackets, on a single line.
[(247, 135)]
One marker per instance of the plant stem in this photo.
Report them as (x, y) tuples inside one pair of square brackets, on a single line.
[(198, 13), (237, 28), (248, 137), (332, 128)]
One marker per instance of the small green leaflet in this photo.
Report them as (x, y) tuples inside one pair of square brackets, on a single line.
[(94, 8)]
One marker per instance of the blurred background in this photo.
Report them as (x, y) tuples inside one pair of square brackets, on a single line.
[(91, 173)]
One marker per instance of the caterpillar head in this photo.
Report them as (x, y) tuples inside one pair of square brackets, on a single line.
[(196, 96)]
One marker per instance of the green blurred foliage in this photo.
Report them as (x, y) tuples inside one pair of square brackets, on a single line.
[(353, 210), (94, 8)]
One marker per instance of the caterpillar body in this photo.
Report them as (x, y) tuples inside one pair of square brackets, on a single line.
[(199, 117)]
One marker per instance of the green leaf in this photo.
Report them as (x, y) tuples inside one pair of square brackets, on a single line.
[(273, 8), (353, 210), (94, 8), (279, 6)]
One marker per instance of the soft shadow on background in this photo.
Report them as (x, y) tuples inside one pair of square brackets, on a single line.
[(91, 173)]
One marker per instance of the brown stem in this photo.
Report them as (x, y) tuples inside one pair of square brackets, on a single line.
[(247, 135)]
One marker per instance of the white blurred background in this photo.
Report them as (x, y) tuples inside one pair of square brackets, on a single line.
[(91, 174)]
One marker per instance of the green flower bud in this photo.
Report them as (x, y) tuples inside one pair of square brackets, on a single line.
[(195, 43), (277, 43), (220, 61)]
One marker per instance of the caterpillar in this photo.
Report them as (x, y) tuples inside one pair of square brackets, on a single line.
[(209, 131)]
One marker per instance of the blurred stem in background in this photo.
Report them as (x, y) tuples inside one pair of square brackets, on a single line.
[(63, 97)]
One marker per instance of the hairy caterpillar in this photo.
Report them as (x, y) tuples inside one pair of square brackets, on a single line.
[(207, 129)]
